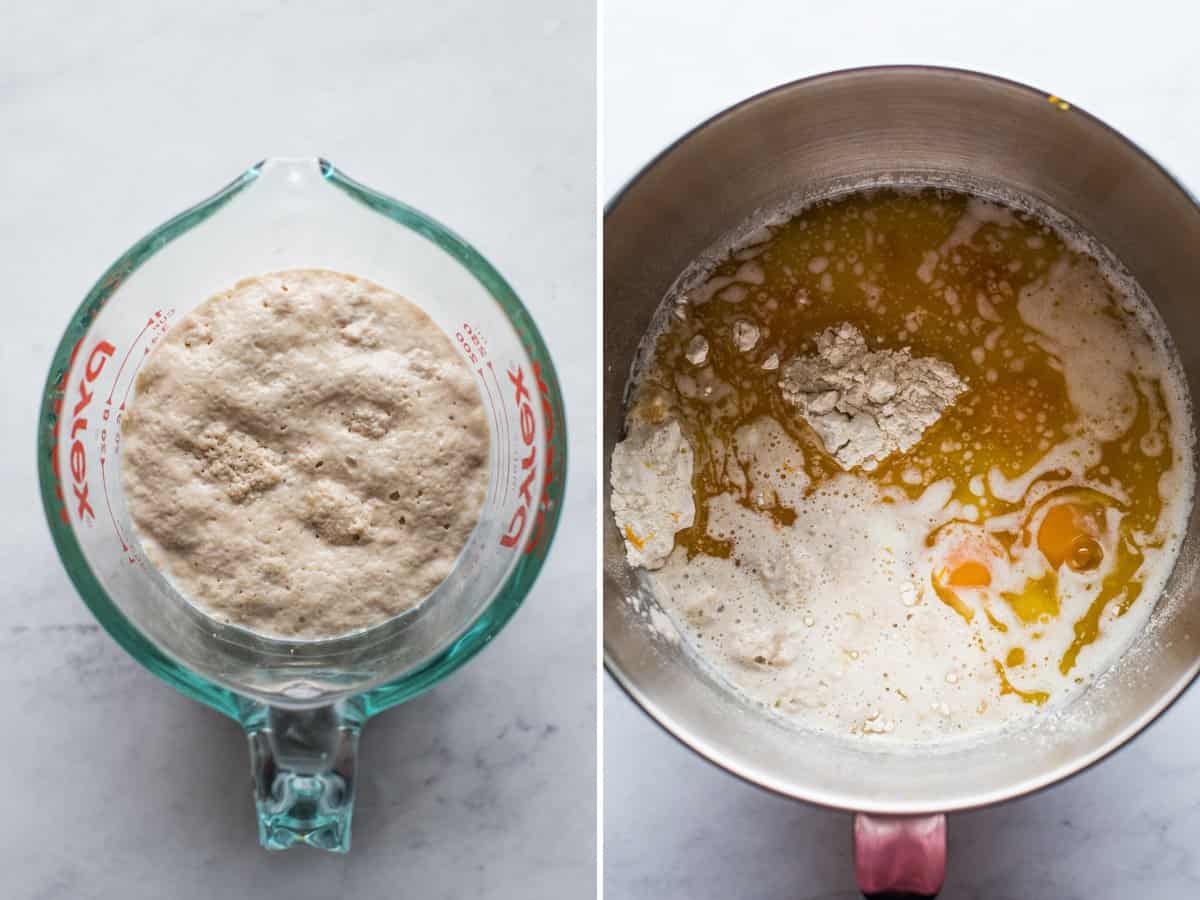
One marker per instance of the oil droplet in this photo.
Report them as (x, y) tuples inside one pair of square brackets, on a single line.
[(1086, 554)]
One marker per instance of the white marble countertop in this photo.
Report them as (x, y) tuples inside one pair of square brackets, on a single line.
[(676, 827), (117, 116)]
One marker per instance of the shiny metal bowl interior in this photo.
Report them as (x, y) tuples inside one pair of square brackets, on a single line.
[(853, 127)]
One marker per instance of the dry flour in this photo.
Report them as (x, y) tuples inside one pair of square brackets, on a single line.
[(867, 404)]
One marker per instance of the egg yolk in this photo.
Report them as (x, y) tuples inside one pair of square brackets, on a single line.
[(970, 574), (1068, 535)]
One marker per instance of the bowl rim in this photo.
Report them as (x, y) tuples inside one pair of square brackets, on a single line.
[(784, 787), (508, 597)]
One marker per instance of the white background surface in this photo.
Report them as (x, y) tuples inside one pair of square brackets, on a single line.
[(679, 828), (113, 118)]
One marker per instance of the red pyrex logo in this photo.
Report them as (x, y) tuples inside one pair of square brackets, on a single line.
[(77, 456), (527, 504)]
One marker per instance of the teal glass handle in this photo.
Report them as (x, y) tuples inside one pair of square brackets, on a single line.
[(304, 764)]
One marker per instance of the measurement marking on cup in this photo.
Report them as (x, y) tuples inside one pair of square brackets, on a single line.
[(507, 426), (160, 329), (108, 503), (497, 447), (128, 353), (474, 344), (132, 379)]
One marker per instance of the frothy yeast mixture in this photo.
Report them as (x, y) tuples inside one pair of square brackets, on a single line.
[(306, 454), (981, 570)]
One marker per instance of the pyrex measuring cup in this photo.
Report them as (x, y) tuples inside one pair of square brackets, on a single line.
[(301, 703)]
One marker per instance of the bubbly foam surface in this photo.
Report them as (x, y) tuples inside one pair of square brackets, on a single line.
[(306, 454)]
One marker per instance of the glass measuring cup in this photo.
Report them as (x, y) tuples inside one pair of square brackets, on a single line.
[(301, 703)]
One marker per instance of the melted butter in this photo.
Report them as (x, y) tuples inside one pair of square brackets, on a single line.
[(632, 537), (1120, 583), (950, 597), (1037, 601), (1007, 687), (994, 622), (873, 244)]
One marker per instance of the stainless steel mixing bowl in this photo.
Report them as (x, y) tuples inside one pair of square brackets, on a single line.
[(813, 137)]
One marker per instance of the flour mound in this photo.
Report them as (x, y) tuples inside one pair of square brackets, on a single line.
[(865, 405), (652, 491)]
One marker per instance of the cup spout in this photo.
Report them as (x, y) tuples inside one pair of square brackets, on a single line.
[(291, 171)]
